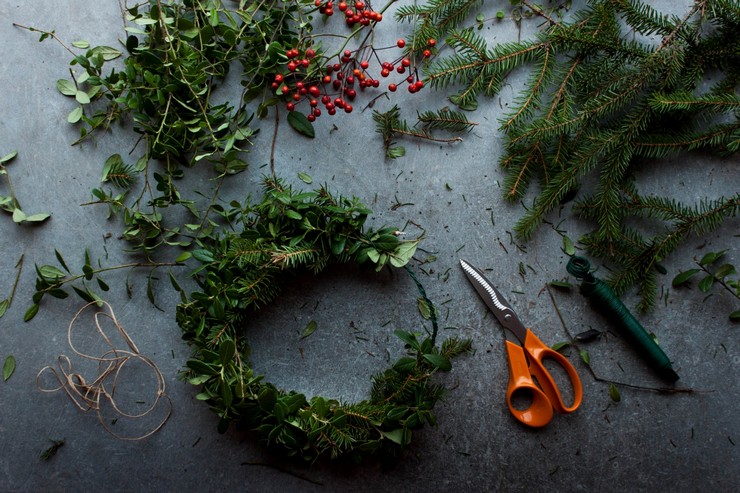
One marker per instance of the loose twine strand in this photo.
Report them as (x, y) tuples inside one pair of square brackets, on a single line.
[(90, 395)]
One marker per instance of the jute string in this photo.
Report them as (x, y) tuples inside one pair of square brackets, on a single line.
[(101, 391)]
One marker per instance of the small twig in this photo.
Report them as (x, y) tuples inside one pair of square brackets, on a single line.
[(540, 12), (47, 33), (274, 140)]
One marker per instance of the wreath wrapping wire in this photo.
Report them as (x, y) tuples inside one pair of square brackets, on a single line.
[(290, 232)]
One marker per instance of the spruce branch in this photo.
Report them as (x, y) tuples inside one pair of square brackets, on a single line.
[(599, 100)]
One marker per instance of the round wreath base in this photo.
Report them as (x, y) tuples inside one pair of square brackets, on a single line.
[(288, 233)]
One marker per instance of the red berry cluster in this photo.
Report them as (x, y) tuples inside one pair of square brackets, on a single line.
[(335, 86), (362, 13)]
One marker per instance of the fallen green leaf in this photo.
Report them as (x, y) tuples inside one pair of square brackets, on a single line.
[(305, 178), (684, 277), (8, 367), (614, 393), (8, 157), (300, 124), (585, 356), (310, 329), (568, 246)]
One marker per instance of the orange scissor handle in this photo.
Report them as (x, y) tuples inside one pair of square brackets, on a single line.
[(537, 352), (539, 412)]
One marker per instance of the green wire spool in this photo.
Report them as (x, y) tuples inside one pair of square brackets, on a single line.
[(608, 304)]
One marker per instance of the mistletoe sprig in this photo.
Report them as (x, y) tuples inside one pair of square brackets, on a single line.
[(599, 101), (286, 233)]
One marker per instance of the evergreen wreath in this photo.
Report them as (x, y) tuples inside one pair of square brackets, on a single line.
[(288, 232)]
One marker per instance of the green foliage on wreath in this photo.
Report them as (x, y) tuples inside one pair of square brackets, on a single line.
[(286, 233)]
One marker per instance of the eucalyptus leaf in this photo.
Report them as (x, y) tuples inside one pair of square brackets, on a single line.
[(8, 367), (31, 312), (106, 52), (82, 97), (300, 124), (37, 218), (684, 277), (8, 157), (66, 87), (568, 246), (614, 393), (309, 329), (4, 305), (75, 115)]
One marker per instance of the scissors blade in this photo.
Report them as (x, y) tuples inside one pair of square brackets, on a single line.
[(494, 300)]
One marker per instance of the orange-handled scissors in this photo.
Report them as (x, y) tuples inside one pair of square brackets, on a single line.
[(526, 362)]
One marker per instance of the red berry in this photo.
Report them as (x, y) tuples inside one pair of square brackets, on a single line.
[(401, 43), (278, 78), (432, 42), (310, 117), (378, 17), (406, 62), (385, 72), (314, 91), (290, 106), (376, 83), (297, 97), (400, 69), (326, 99), (305, 63), (359, 5), (285, 89), (313, 103), (332, 111), (342, 6), (339, 103), (364, 64), (316, 112), (351, 94), (326, 79), (392, 87), (292, 66), (419, 84), (347, 53), (427, 53), (348, 108)]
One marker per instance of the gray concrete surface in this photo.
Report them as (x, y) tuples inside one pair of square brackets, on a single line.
[(647, 442)]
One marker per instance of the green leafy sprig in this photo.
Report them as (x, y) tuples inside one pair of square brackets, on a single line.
[(725, 274), (286, 233), (391, 126)]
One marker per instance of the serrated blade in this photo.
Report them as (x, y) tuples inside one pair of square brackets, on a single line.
[(494, 300)]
